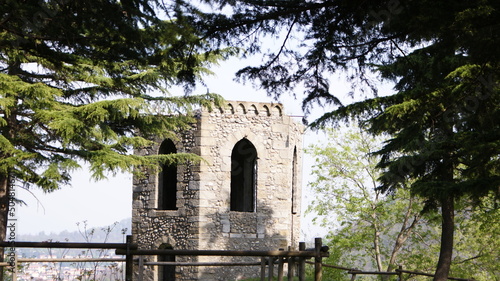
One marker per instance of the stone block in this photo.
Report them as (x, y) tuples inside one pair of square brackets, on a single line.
[(226, 227), (235, 235), (279, 128), (193, 185), (261, 228)]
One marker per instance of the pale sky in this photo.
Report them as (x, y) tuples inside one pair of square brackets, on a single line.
[(104, 202)]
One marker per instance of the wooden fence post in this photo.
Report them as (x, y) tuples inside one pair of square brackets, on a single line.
[(302, 262), (271, 269), (318, 270), (141, 268), (291, 264), (129, 260), (262, 269), (280, 267)]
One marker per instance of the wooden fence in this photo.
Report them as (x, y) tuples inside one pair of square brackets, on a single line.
[(269, 260)]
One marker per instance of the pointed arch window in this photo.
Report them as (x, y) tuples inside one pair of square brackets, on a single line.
[(167, 179), (243, 176)]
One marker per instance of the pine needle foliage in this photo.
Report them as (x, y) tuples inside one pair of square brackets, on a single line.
[(87, 82), (77, 82)]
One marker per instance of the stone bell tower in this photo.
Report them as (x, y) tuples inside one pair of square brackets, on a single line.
[(244, 196)]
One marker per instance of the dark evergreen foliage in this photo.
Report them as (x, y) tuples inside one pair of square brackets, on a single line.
[(444, 58)]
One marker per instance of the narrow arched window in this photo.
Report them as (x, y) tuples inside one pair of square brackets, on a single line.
[(166, 272), (243, 176), (167, 179)]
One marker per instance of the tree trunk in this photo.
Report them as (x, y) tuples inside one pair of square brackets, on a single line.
[(376, 234), (403, 235), (447, 231), (376, 245)]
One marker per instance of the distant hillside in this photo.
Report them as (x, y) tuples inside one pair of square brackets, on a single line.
[(114, 233), (111, 233)]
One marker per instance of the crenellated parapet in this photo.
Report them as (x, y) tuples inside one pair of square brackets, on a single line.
[(251, 108)]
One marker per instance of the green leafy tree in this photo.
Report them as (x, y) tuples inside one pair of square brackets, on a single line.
[(367, 229), (476, 249), (443, 56), (76, 84), (376, 232)]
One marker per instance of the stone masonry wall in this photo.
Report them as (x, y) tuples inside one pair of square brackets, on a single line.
[(152, 227), (273, 225), (203, 219)]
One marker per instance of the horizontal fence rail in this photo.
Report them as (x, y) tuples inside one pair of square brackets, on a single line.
[(203, 263), (35, 260), (431, 275), (228, 253)]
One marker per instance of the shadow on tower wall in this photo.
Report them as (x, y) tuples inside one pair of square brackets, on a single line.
[(243, 231)]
